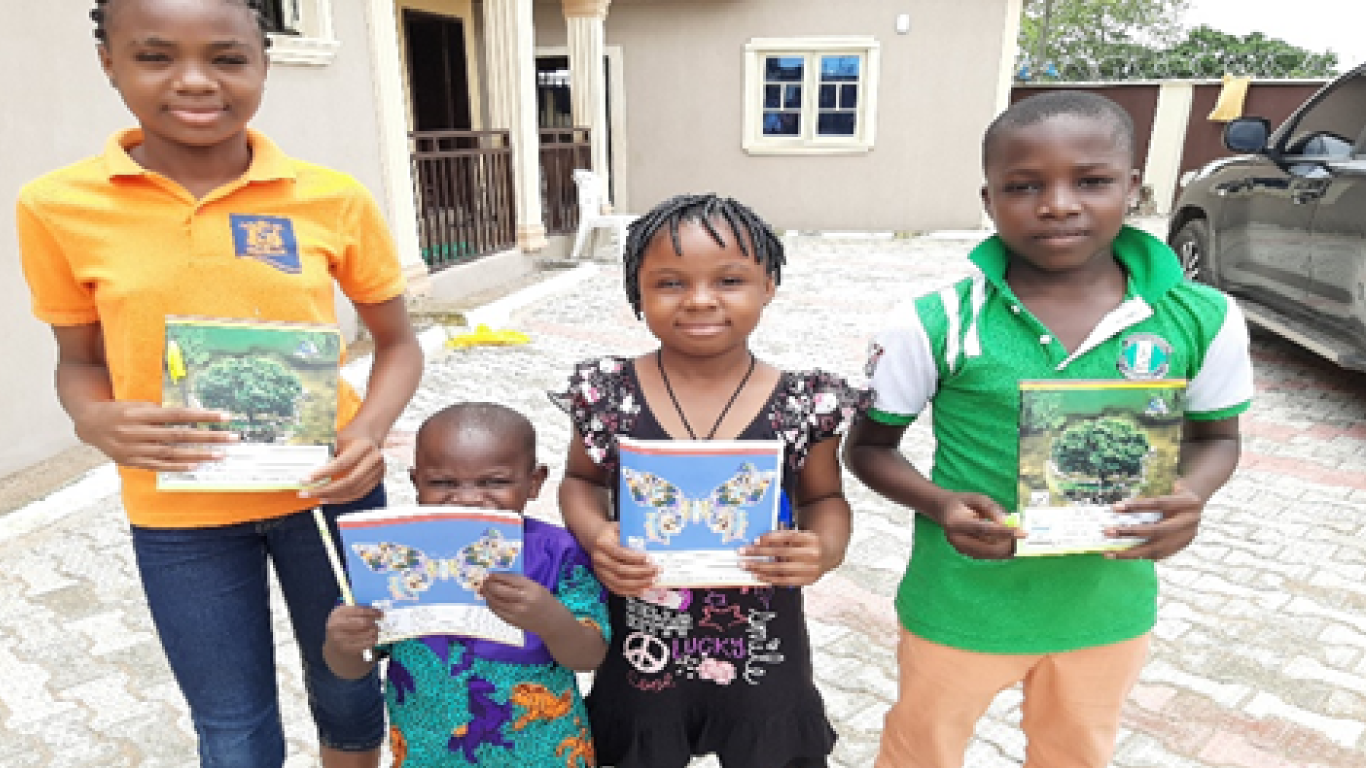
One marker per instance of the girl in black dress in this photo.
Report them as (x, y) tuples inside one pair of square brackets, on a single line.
[(708, 670)]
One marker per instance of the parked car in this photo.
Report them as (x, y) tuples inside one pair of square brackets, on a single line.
[(1282, 227)]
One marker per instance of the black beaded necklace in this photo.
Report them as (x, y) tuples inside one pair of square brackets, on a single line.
[(659, 360)]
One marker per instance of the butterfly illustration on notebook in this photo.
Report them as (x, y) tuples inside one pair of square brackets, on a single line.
[(413, 571), (723, 510)]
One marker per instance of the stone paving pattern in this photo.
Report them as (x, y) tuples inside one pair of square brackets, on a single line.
[(1260, 652)]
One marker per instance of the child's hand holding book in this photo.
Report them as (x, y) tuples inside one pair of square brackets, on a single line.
[(786, 558), (523, 603), (352, 630), (1180, 519), (976, 526), (624, 571)]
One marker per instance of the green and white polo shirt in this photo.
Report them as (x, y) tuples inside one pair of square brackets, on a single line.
[(965, 349)]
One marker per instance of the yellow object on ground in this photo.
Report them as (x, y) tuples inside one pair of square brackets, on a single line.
[(483, 336)]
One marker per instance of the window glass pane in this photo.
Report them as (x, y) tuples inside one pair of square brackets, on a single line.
[(773, 96), (784, 68), (839, 68), (782, 124), (848, 96), (793, 99), (828, 97), (835, 124), (1335, 123)]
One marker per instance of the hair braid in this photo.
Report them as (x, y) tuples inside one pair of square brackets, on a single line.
[(707, 210), (101, 12)]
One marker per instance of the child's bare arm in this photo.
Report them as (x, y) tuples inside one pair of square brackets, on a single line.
[(795, 558), (972, 522), (584, 505), (1209, 454), (359, 463), (529, 606), (583, 494), (351, 631), (132, 434)]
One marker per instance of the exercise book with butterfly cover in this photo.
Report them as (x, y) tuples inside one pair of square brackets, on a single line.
[(423, 567), (692, 504)]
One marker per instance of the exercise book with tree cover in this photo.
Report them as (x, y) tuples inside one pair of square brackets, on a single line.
[(279, 384), (1086, 445), (692, 504), (423, 566)]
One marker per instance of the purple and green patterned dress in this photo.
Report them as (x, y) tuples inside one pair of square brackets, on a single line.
[(462, 702)]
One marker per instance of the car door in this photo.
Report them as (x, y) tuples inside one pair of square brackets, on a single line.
[(1266, 207), (1337, 287), (1262, 236)]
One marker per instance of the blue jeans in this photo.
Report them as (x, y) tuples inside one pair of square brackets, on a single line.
[(207, 589)]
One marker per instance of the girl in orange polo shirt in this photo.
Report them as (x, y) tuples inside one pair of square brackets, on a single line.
[(161, 224)]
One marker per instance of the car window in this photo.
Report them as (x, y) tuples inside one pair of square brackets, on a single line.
[(1331, 127)]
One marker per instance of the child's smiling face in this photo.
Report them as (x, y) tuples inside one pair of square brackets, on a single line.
[(191, 71), (1058, 190), (468, 465), (706, 301)]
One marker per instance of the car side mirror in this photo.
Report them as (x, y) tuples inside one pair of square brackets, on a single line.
[(1247, 134)]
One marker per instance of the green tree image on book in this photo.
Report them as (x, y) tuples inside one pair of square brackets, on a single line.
[(278, 381), (1086, 445)]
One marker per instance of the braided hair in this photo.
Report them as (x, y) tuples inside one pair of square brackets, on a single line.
[(706, 210), (102, 11)]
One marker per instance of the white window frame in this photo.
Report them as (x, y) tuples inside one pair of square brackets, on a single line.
[(316, 44), (810, 48)]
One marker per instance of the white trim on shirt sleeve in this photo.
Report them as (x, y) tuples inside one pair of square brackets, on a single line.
[(1225, 379), (905, 377)]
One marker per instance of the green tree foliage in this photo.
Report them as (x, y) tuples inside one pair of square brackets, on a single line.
[(1098, 29), (1207, 52), (1145, 40), (1105, 448), (1042, 411), (249, 386)]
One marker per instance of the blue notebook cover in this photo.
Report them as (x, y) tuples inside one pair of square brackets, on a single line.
[(423, 567), (691, 504)]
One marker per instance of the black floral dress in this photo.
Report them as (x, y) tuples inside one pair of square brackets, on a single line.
[(700, 671)]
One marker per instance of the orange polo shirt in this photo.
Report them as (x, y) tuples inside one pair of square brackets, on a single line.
[(107, 241)]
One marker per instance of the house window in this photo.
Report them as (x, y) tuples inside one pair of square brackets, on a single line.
[(810, 95), (301, 31)]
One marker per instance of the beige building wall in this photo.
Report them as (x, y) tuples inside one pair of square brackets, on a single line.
[(683, 64), (57, 115)]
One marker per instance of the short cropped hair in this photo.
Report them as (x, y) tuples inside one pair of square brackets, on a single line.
[(1043, 106), (485, 417)]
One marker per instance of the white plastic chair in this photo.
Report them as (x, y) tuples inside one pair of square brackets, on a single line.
[(592, 200)]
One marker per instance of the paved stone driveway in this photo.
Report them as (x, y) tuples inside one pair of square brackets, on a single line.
[(1260, 657)]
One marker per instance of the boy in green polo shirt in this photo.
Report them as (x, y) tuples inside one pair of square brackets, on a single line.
[(1065, 291)]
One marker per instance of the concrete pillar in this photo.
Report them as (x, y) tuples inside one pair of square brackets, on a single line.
[(511, 68), (588, 75), (1162, 171), (1005, 68), (395, 158)]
